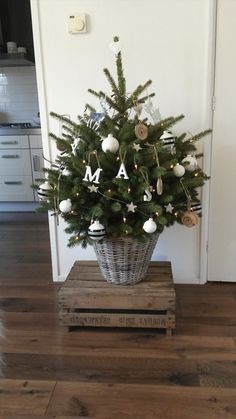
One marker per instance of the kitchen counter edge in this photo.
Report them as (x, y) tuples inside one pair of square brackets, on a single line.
[(20, 131)]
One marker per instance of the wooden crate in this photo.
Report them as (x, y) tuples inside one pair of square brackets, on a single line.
[(86, 299)]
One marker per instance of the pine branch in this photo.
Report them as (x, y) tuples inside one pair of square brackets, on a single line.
[(108, 99), (200, 135), (73, 131), (63, 118), (144, 98), (120, 74), (112, 82), (90, 108), (141, 88)]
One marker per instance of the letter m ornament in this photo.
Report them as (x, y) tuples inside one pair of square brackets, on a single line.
[(89, 177)]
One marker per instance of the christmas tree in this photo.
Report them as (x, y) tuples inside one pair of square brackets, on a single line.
[(120, 171)]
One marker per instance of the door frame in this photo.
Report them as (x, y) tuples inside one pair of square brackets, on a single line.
[(207, 147)]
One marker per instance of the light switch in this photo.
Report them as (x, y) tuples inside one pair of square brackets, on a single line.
[(77, 23)]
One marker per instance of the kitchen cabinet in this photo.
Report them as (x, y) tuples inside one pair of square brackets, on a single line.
[(21, 164)]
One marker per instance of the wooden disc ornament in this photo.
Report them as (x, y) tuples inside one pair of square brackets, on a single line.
[(189, 219), (141, 131)]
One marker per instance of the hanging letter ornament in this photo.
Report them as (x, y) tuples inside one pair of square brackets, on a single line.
[(147, 195), (75, 145), (89, 177), (122, 172)]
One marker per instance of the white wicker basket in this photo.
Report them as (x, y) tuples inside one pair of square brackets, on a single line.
[(124, 261)]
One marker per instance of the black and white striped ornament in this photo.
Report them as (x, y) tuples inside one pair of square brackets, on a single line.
[(197, 208), (44, 190), (96, 231), (167, 138)]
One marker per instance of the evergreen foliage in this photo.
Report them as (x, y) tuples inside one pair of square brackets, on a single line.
[(144, 167)]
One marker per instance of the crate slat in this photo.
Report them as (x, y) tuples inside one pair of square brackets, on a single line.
[(118, 320)]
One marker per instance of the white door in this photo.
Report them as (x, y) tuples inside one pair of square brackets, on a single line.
[(222, 222)]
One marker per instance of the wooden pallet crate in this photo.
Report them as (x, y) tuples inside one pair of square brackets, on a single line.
[(86, 299)]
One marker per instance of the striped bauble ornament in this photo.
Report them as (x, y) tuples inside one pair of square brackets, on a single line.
[(167, 138), (96, 231), (44, 190), (196, 207)]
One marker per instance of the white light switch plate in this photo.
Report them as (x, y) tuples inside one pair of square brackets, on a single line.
[(77, 23)]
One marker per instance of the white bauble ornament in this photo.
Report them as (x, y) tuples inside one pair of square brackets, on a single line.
[(179, 170), (110, 143), (191, 163), (115, 47), (66, 172), (43, 191), (65, 206), (150, 226), (96, 231)]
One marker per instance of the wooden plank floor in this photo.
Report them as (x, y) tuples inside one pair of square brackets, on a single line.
[(106, 373)]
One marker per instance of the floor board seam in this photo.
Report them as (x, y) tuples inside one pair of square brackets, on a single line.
[(52, 394)]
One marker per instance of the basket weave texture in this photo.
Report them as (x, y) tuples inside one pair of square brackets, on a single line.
[(124, 261)]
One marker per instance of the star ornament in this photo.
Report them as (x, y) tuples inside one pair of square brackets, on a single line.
[(136, 147), (131, 207), (93, 188), (169, 208)]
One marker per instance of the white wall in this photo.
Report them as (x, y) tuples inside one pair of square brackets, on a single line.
[(165, 40)]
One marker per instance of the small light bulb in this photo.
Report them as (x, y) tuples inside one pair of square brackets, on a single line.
[(196, 174), (109, 190), (72, 212), (136, 166), (77, 194), (129, 190), (176, 213), (171, 166), (157, 213), (117, 158), (84, 161), (124, 219)]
